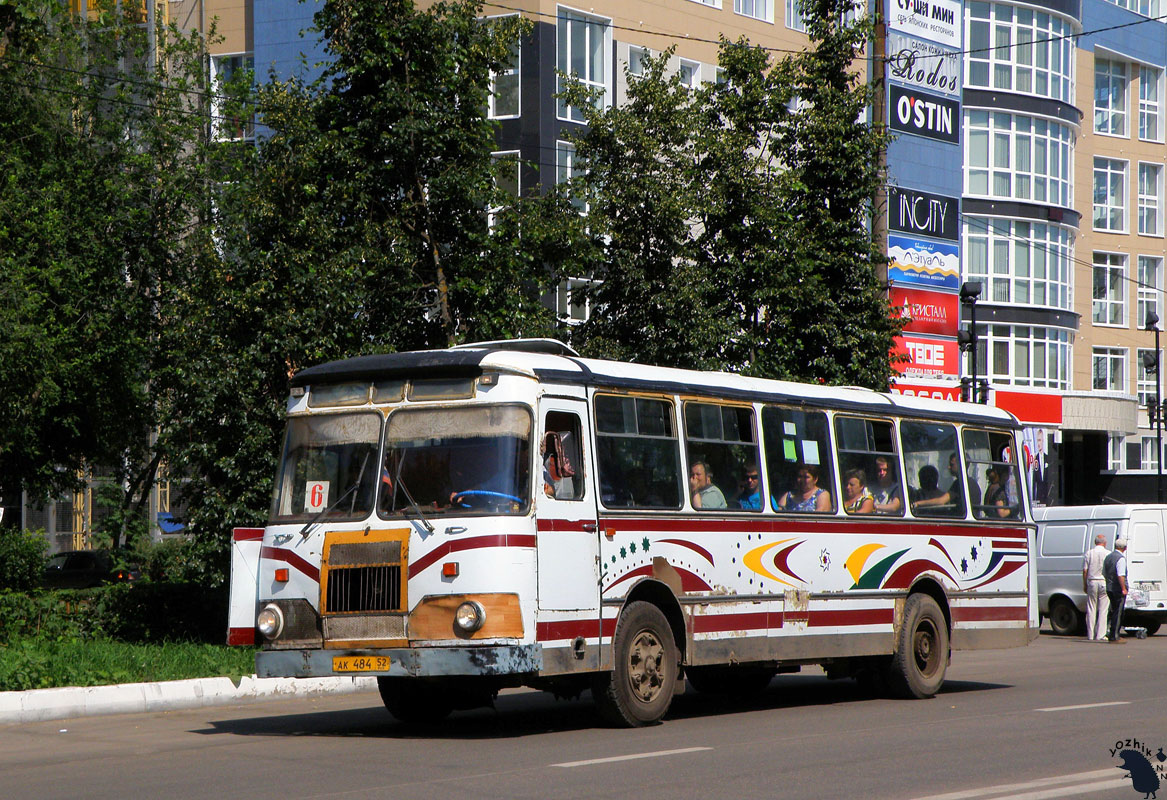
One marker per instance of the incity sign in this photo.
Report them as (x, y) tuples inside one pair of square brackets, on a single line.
[(923, 214)]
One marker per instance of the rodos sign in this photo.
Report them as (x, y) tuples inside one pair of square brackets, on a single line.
[(925, 114)]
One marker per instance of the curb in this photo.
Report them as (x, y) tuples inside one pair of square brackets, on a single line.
[(39, 705)]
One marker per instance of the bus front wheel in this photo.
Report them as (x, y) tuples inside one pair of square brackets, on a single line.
[(639, 688), (412, 701), (921, 658)]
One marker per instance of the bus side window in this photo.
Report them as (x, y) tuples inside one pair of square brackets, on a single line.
[(991, 457), (799, 474), (637, 451), (723, 439), (867, 452), (562, 456), (933, 466)]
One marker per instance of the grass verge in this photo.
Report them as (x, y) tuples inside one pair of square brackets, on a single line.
[(36, 663)]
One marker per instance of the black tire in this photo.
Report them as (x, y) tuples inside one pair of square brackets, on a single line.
[(728, 680), (921, 658), (1152, 626), (1064, 619), (639, 689), (413, 701)]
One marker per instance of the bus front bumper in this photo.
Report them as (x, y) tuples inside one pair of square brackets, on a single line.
[(421, 662)]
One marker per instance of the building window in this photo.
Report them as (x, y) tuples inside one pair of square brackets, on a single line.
[(1148, 458), (1109, 306), (1023, 355), (504, 87), (1115, 460), (1020, 262), (1019, 49), (1150, 284), (1151, 199), (794, 19), (1109, 369), (1110, 80), (571, 300), (710, 3), (689, 73), (1145, 385), (636, 59), (758, 9), (566, 171), (1150, 111), (506, 177), (1147, 8), (223, 69), (1110, 195), (584, 48), (1013, 156)]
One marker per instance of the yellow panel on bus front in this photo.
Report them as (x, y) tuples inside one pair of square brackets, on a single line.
[(433, 619), (364, 572)]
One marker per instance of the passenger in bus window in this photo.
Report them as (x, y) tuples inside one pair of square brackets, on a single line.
[(856, 497), (705, 493), (886, 490), (929, 491), (949, 503), (750, 494), (806, 494), (997, 500)]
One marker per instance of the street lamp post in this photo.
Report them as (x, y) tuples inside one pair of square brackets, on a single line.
[(1157, 413), (968, 338)]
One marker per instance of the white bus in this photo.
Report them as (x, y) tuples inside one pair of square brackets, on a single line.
[(456, 522)]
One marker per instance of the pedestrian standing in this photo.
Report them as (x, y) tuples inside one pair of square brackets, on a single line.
[(1094, 584), (1114, 570)]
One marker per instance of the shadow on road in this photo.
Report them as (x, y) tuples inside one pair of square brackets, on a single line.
[(529, 713)]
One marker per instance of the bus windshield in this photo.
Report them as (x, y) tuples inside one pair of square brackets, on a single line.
[(329, 465), (457, 461)]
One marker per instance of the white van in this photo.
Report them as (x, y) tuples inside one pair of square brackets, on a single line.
[(1065, 533)]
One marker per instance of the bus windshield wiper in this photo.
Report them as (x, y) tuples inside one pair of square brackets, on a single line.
[(312, 522), (413, 504)]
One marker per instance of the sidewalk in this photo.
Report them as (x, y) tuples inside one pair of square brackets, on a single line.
[(129, 698)]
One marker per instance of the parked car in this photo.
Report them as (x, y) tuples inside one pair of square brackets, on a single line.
[(81, 569)]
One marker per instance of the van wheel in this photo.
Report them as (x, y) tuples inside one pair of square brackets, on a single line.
[(413, 701), (921, 659), (639, 689), (1064, 619)]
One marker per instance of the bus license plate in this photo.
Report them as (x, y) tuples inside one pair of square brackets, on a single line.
[(360, 664)]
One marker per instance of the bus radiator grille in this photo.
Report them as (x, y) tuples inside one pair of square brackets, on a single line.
[(368, 589)]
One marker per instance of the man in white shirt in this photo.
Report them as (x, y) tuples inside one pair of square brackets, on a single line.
[(1093, 581)]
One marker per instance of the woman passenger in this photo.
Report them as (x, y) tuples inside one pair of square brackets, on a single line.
[(856, 497), (806, 494)]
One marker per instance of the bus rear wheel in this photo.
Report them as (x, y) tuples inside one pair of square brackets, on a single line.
[(413, 701), (639, 689), (921, 659)]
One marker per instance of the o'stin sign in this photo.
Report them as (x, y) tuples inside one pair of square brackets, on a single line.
[(925, 114)]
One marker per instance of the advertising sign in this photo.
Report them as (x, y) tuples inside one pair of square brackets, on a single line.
[(937, 21), (922, 64), (931, 265), (923, 214), (927, 358), (925, 311), (945, 391), (923, 114)]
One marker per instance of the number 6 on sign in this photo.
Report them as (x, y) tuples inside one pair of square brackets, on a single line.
[(315, 495)]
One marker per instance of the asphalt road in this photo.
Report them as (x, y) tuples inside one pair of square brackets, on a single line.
[(1034, 723)]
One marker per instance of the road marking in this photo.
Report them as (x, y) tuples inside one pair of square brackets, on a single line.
[(1078, 783), (1086, 705), (656, 754)]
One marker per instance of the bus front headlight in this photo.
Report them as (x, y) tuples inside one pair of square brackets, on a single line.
[(470, 616), (270, 621)]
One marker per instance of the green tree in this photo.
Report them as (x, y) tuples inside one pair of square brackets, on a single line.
[(100, 178), (733, 217)]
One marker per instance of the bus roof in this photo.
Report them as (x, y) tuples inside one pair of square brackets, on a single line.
[(551, 361)]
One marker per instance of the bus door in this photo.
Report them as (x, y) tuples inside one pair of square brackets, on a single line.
[(567, 540)]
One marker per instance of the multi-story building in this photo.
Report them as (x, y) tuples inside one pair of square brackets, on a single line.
[(1029, 159)]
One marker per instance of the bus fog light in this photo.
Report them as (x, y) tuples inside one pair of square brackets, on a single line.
[(270, 621), (470, 616)]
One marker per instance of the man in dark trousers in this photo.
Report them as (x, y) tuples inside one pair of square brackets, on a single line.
[(1114, 571)]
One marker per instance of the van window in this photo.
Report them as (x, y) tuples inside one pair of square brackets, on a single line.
[(1147, 538), (637, 453), (1107, 529), (1063, 540)]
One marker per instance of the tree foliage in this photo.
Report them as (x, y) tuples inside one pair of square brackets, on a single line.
[(733, 217)]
